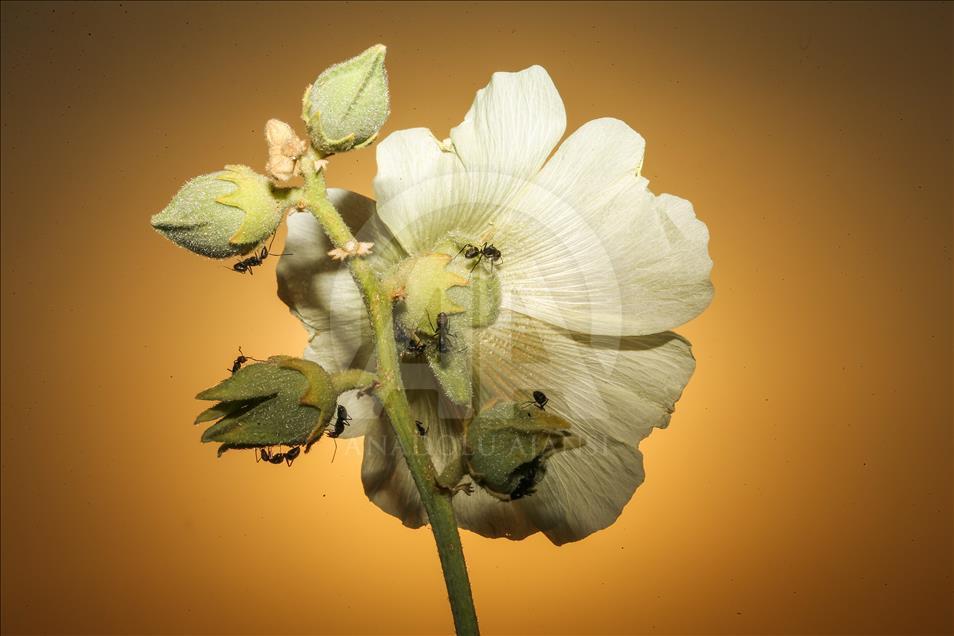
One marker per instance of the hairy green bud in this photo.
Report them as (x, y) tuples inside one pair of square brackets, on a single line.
[(222, 214), (281, 401), (506, 448), (348, 104)]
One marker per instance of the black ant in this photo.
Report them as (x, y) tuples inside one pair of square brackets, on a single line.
[(440, 331), (531, 473), (420, 428), (487, 251), (341, 420), (414, 347), (247, 264), (288, 457), (539, 400), (239, 361)]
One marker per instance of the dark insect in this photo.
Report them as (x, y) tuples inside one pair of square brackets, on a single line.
[(539, 400), (239, 361), (247, 264), (440, 331), (341, 421), (265, 455), (487, 251), (420, 428), (530, 475), (415, 347), (292, 454)]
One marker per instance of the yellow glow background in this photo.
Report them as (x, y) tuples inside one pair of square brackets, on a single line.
[(805, 484)]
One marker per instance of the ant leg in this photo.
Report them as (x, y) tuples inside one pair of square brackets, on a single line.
[(461, 250), (266, 251), (336, 450), (476, 263)]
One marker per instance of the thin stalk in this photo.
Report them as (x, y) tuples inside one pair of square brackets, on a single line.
[(390, 392)]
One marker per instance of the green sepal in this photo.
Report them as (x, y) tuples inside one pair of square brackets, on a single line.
[(223, 214), (268, 404), (506, 448), (320, 392), (218, 411), (347, 105), (195, 220), (255, 196), (425, 284)]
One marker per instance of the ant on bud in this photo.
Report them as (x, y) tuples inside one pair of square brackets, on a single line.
[(240, 360), (247, 264), (441, 332), (288, 456), (488, 251), (420, 428), (532, 473)]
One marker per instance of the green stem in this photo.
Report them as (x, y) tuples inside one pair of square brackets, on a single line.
[(390, 391)]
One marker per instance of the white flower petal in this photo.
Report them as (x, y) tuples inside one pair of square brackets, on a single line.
[(584, 490), (424, 192), (587, 247), (426, 188), (513, 124), (388, 482), (386, 478), (620, 387)]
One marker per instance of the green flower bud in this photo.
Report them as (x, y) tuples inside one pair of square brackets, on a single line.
[(223, 214), (506, 448), (281, 401), (422, 284), (348, 103), (441, 282)]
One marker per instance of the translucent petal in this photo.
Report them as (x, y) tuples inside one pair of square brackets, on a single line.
[(388, 482), (584, 490), (587, 247), (425, 188), (620, 387), (513, 124)]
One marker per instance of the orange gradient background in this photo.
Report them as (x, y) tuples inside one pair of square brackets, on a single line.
[(805, 484)]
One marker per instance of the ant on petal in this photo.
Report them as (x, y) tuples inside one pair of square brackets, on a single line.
[(539, 400), (341, 420)]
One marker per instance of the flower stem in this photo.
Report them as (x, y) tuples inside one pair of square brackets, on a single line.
[(390, 391)]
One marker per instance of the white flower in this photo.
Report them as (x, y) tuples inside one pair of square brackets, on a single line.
[(594, 269)]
